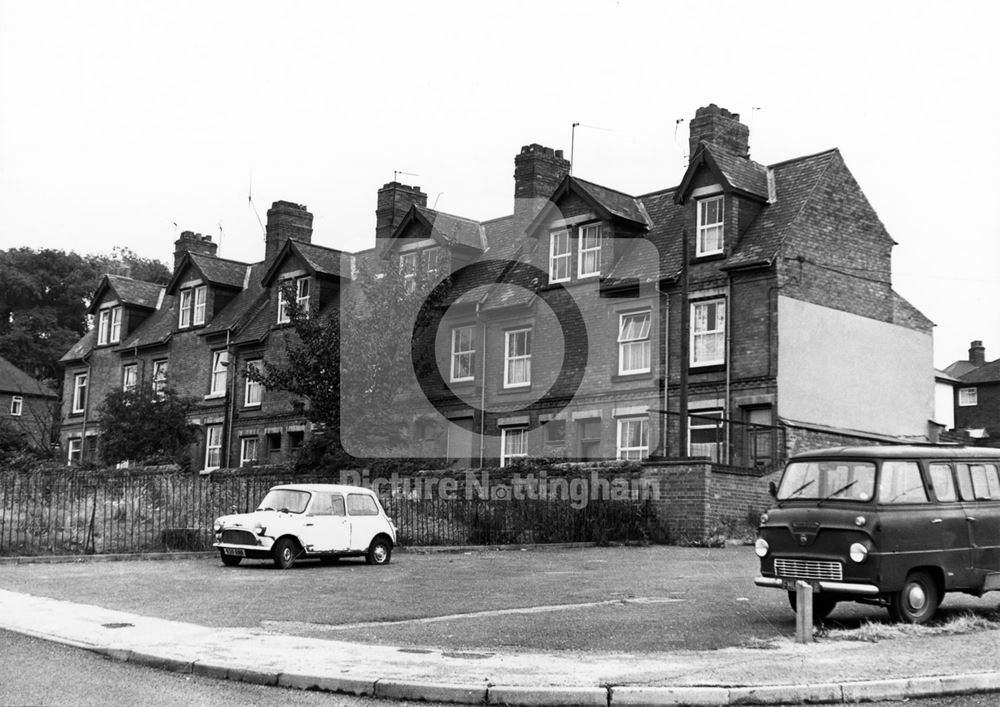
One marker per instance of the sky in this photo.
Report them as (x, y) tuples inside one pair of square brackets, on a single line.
[(125, 123)]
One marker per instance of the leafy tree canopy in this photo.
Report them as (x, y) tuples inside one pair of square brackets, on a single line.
[(44, 296), (146, 427)]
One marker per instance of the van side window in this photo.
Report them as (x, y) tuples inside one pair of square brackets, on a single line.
[(901, 483), (981, 482), (359, 504), (941, 480)]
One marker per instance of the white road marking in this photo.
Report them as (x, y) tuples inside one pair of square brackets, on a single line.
[(278, 625)]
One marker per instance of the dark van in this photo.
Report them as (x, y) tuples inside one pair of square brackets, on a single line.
[(894, 526)]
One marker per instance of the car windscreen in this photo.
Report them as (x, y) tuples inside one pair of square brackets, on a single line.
[(284, 500), (828, 480)]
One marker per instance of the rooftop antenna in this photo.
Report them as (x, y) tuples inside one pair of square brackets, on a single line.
[(396, 173), (220, 237), (572, 145), (684, 155), (253, 207), (750, 124), (440, 194)]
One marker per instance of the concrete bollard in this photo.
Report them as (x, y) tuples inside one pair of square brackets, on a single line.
[(803, 612)]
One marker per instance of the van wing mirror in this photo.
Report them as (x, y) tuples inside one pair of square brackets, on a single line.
[(772, 489)]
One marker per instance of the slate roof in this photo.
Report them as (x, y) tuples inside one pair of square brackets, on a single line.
[(219, 271), (81, 348), (135, 293), (14, 380), (617, 203), (959, 369), (987, 373), (454, 229), (741, 173), (239, 310), (325, 261), (157, 328)]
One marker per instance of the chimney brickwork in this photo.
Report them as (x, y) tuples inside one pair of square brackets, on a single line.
[(977, 354), (286, 220), (721, 128), (191, 242), (538, 170), (394, 200)]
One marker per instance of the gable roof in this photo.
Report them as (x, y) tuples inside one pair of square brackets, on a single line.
[(318, 260), (14, 380), (157, 329), (609, 204), (447, 229), (738, 174), (213, 270), (960, 368), (134, 293), (987, 373)]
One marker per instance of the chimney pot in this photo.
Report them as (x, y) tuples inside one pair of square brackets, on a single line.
[(191, 242), (720, 128), (285, 220), (977, 353)]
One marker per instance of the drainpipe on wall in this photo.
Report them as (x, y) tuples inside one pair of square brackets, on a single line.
[(227, 420), (86, 410), (726, 413), (482, 394)]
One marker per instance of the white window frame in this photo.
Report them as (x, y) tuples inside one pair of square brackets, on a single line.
[(716, 229), (719, 332), (968, 397), (80, 392), (200, 305), (74, 448), (16, 405), (509, 433), (184, 311), (103, 326), (458, 354), (109, 325), (633, 453), (560, 260), (302, 294), (133, 369), (433, 259), (253, 392), (219, 375), (248, 445), (408, 267), (213, 447), (161, 370), (510, 360), (585, 231), (630, 340)]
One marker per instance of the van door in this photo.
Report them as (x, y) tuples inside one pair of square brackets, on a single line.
[(979, 484), (325, 526), (952, 527)]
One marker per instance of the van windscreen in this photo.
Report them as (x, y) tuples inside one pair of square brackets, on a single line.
[(828, 480)]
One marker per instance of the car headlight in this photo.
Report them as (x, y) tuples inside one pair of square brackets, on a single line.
[(763, 518), (761, 547), (217, 526), (859, 552), (259, 529)]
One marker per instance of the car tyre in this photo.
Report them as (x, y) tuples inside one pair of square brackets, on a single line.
[(285, 551), (230, 560), (379, 552), (823, 605), (917, 601)]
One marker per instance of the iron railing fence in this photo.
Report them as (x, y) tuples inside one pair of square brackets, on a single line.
[(71, 512), (723, 440)]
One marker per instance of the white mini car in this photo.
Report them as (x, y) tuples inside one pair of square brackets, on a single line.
[(296, 521)]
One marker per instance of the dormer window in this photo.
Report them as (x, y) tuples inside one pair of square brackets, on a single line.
[(560, 256), (590, 251), (192, 306), (109, 326), (300, 289), (710, 232)]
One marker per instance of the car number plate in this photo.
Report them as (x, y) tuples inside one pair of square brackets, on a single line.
[(235, 551)]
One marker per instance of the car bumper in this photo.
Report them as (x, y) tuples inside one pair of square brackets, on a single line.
[(786, 583)]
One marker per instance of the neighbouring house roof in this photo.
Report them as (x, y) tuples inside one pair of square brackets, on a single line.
[(239, 311), (959, 368), (447, 229), (943, 377), (135, 293), (213, 270), (318, 260), (81, 348), (987, 373), (607, 203), (157, 328), (739, 174), (14, 380)]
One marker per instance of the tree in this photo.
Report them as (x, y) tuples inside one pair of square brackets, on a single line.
[(379, 311), (44, 296), (146, 426)]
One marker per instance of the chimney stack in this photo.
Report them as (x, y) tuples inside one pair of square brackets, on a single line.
[(721, 128), (538, 170), (286, 220), (394, 200), (977, 354), (191, 242)]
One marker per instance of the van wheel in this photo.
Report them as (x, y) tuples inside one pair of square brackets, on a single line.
[(285, 552), (917, 601), (823, 605), (379, 552), (230, 560)]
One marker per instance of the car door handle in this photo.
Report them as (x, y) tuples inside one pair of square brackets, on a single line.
[(935, 521), (970, 519), (308, 525)]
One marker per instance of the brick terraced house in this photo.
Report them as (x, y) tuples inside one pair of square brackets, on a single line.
[(977, 396), (27, 406), (757, 299)]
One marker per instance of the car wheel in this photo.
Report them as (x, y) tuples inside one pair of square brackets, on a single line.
[(379, 552), (230, 560), (823, 604), (917, 601), (285, 552)]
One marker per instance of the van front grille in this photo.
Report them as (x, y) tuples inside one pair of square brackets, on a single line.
[(238, 537), (808, 569)]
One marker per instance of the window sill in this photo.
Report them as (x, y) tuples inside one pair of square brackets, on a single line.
[(706, 368), (463, 383), (215, 396), (254, 406), (626, 377), (514, 390), (708, 257)]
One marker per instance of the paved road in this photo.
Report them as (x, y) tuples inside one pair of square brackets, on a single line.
[(598, 599)]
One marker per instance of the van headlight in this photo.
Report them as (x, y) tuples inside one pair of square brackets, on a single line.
[(763, 518), (859, 553), (761, 547)]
